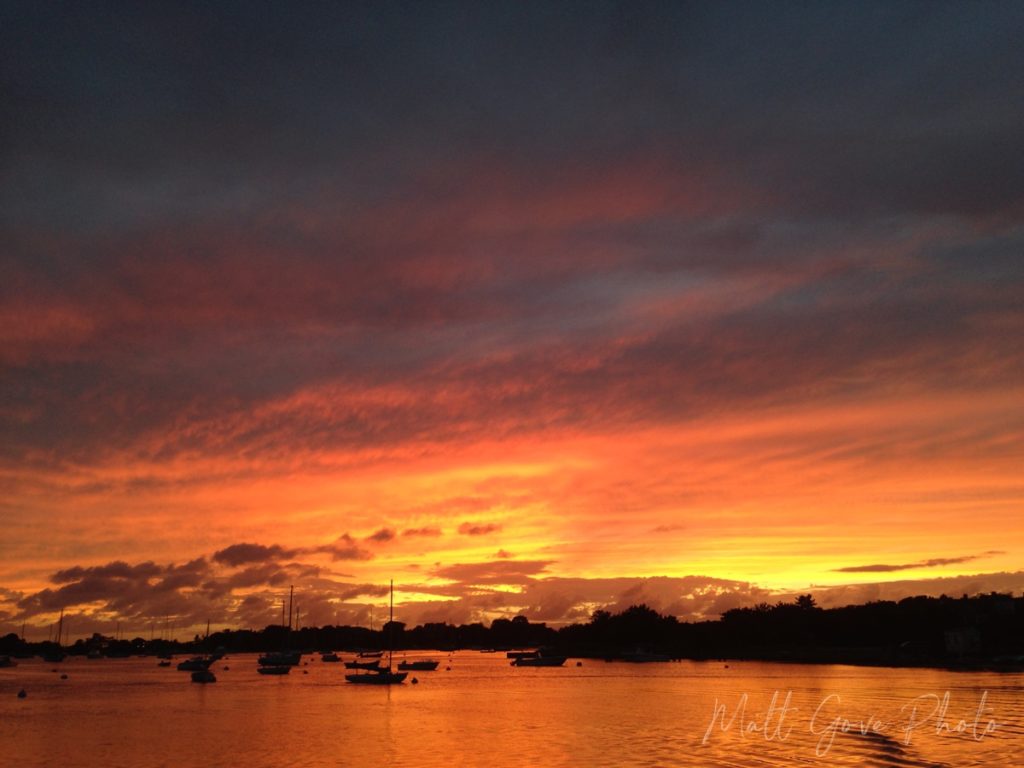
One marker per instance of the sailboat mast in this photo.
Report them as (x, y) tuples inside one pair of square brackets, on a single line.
[(391, 625), (291, 595), (60, 628)]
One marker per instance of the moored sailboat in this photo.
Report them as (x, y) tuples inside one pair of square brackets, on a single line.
[(195, 664), (419, 666), (381, 675), (280, 659), (356, 664), (56, 655)]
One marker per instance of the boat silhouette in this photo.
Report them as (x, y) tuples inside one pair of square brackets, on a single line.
[(281, 669), (418, 666), (356, 664), (541, 658), (380, 675), (56, 655), (197, 663), (280, 659)]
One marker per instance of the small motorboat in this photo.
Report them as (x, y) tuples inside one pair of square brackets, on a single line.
[(418, 666), (203, 676), (362, 664), (521, 654), (196, 664), (381, 676), (280, 659), (330, 657), (281, 669)]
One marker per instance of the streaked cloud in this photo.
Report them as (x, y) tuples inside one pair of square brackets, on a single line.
[(478, 529), (934, 562)]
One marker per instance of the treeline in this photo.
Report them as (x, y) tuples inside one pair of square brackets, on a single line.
[(982, 630)]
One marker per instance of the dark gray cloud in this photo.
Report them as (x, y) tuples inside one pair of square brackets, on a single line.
[(934, 562), (96, 598), (836, 106), (671, 528), (342, 548), (425, 531), (126, 590), (241, 554), (942, 321), (115, 570), (383, 535), (478, 529)]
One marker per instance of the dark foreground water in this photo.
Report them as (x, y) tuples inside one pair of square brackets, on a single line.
[(483, 712)]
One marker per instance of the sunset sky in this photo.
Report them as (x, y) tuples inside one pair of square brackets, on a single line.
[(531, 307)]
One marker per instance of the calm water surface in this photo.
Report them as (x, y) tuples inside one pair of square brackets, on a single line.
[(131, 713)]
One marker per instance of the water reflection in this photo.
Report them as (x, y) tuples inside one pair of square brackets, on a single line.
[(484, 713)]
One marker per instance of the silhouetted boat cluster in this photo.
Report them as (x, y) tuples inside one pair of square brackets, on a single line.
[(980, 632), (377, 674)]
